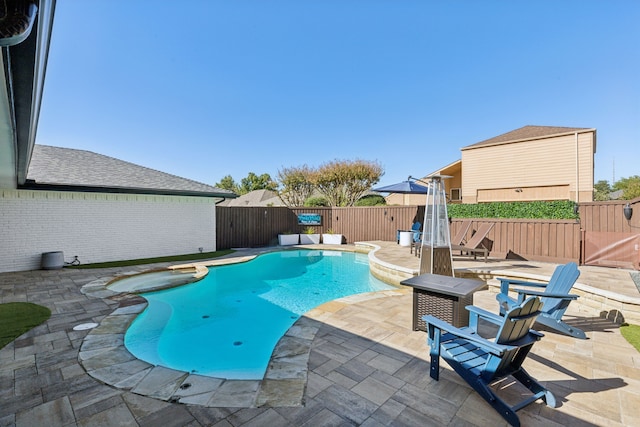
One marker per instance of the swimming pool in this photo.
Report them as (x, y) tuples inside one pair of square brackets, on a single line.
[(228, 324)]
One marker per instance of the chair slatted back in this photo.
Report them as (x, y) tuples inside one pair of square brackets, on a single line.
[(461, 234), (518, 321), (476, 240), (561, 282), (417, 234)]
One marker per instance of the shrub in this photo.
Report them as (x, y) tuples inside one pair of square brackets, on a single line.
[(371, 200), (316, 202)]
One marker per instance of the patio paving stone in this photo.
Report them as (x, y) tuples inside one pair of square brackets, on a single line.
[(56, 412), (115, 416), (281, 392), (236, 394), (123, 373), (346, 404), (160, 383)]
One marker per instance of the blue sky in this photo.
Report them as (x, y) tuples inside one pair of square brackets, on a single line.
[(208, 88)]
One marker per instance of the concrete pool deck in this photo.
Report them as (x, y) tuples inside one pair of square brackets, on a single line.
[(364, 367)]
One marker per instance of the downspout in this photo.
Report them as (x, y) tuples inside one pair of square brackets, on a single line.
[(582, 234), (577, 170)]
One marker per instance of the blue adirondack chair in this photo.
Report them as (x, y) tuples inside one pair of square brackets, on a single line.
[(416, 243), (481, 362), (554, 295)]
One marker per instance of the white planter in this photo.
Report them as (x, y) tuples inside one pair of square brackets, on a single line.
[(288, 239), (332, 239), (309, 239)]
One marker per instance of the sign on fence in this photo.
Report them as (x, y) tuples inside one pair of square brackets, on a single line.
[(309, 219)]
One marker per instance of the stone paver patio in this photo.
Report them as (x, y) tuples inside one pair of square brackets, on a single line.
[(364, 365)]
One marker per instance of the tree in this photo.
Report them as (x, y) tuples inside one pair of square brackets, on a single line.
[(630, 187), (343, 182), (254, 182), (601, 190), (227, 183), (296, 185)]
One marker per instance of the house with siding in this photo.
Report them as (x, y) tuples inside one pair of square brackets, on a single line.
[(77, 202), (527, 164)]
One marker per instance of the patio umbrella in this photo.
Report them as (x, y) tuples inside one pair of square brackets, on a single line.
[(404, 187)]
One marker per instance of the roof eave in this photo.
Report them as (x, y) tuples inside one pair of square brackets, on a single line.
[(441, 170), (533, 138), (28, 67), (123, 190)]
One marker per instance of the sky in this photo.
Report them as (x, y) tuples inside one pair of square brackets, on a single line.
[(203, 89)]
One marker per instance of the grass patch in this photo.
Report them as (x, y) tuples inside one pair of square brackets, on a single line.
[(174, 258), (16, 318), (632, 334)]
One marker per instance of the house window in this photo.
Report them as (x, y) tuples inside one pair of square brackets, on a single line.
[(455, 194)]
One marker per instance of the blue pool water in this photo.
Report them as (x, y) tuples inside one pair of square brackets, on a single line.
[(228, 324)]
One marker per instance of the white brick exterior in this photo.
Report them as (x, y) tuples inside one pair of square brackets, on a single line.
[(100, 227)]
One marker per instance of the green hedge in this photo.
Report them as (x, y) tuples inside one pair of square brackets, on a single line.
[(563, 209), (371, 200), (315, 202)]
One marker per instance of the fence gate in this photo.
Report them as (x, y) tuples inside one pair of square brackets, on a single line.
[(609, 238), (612, 249)]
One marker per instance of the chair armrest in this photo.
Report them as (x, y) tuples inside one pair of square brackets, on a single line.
[(434, 322), (546, 295), (484, 314), (503, 298), (505, 302), (522, 282), (504, 284)]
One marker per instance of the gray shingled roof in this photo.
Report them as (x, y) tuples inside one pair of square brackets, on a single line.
[(256, 198), (527, 132), (67, 167)]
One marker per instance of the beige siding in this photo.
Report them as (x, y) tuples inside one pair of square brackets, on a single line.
[(558, 192), (406, 199), (587, 150), (541, 168), (455, 180)]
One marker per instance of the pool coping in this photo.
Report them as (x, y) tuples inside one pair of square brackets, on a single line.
[(104, 356)]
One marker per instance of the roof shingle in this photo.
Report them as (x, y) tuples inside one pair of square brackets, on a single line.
[(527, 132), (57, 166)]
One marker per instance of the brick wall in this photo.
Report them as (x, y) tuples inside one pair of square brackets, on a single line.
[(100, 227)]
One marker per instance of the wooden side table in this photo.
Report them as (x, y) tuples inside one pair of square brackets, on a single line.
[(442, 296)]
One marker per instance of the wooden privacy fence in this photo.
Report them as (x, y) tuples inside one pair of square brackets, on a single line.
[(238, 227), (541, 240), (531, 239)]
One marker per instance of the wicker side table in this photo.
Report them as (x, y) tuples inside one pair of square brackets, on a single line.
[(442, 296)]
